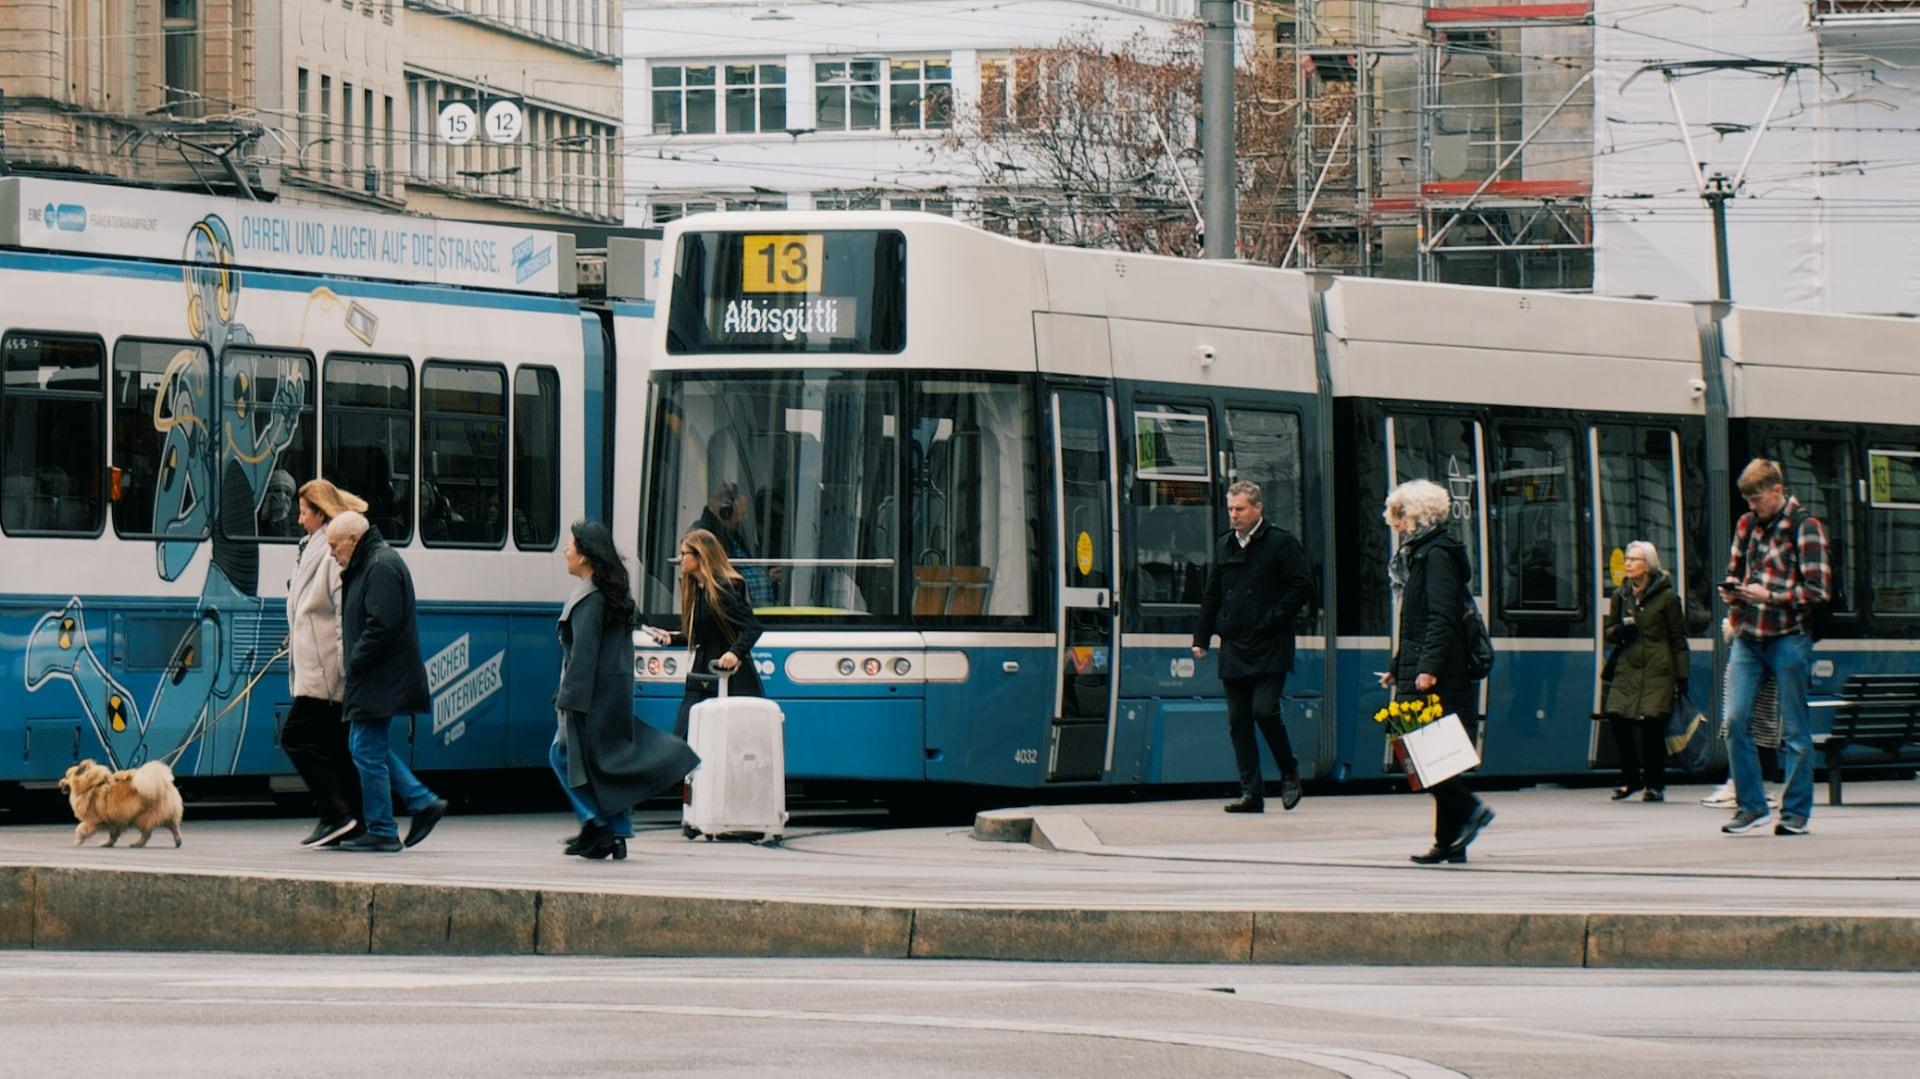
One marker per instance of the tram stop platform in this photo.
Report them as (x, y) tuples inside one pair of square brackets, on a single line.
[(1561, 878)]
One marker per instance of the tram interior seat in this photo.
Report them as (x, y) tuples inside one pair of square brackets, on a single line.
[(46, 503), (364, 471), (952, 591)]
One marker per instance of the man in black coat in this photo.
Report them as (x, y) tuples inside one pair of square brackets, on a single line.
[(380, 636), (1256, 588)]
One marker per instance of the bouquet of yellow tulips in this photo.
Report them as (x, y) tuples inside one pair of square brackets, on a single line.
[(1407, 716)]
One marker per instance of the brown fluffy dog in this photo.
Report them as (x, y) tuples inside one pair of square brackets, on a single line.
[(144, 798)]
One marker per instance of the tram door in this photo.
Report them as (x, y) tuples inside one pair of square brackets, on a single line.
[(1086, 534), (1636, 472)]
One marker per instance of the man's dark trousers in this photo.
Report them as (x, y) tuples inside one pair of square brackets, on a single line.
[(1255, 702)]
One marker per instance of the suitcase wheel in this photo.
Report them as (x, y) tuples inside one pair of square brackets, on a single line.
[(687, 831)]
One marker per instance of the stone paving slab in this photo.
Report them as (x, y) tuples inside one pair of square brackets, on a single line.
[(1561, 878)]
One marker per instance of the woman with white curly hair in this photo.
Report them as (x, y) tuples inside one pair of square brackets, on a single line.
[(1430, 578)]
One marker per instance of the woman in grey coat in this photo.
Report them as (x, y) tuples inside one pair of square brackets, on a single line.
[(1647, 671), (606, 760)]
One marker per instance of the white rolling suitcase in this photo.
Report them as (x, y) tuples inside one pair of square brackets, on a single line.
[(740, 788)]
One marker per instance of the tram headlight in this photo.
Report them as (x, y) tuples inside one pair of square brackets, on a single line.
[(901, 666), (672, 666), (846, 667), (872, 666)]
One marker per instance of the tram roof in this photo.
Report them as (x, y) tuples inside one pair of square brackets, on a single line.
[(980, 300), (1459, 343), (1810, 365), (79, 218)]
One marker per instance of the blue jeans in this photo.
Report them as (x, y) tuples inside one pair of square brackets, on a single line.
[(1790, 658), (620, 824), (384, 777)]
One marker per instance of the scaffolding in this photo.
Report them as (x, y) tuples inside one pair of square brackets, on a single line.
[(1447, 141)]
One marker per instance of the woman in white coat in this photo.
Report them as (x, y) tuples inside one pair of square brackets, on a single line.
[(315, 737)]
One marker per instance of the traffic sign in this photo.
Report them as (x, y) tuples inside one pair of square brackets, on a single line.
[(459, 122)]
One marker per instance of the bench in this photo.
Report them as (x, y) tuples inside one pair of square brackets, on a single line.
[(1878, 717)]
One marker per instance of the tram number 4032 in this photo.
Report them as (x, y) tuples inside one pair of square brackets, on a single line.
[(1026, 756)]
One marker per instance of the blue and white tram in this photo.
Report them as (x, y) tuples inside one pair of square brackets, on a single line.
[(175, 365), (973, 484)]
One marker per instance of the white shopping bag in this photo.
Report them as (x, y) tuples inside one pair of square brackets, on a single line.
[(1440, 750)]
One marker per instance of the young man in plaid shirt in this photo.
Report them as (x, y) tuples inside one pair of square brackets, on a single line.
[(1778, 573)]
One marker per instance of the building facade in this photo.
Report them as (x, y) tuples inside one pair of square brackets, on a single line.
[(324, 101), (821, 105), (1825, 118)]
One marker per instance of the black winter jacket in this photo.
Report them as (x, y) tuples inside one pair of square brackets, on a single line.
[(710, 641), (380, 632), (1254, 594), (1431, 640), (621, 760)]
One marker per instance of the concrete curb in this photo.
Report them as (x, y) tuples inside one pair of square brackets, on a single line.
[(132, 910)]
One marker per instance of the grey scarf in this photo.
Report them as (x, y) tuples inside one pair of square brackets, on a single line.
[(1402, 564)]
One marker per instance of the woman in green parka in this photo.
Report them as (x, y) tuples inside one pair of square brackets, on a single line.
[(1648, 670)]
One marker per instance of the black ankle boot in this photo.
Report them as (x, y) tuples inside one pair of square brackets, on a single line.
[(591, 833), (1439, 854)]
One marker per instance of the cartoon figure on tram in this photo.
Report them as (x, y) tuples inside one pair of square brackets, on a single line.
[(232, 439)]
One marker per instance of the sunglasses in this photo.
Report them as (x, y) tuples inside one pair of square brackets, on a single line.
[(685, 553)]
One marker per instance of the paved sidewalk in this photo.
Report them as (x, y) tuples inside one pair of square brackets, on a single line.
[(1561, 878)]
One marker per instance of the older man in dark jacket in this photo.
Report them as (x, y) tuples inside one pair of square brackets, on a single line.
[(1259, 583), (380, 636)]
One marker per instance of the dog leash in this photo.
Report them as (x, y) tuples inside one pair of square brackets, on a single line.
[(241, 698)]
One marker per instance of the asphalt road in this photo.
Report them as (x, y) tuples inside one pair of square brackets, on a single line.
[(215, 1015)]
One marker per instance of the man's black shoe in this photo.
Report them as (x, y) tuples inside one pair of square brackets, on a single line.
[(1481, 817), (1290, 791), (383, 844), (1247, 805), (1440, 854), (424, 820), (328, 832)]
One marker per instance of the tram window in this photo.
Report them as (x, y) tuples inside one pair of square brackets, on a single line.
[(1444, 449), (1264, 447), (536, 458), (797, 474), (1636, 496), (463, 455), (1172, 507), (153, 387), (267, 400), (1820, 473), (52, 415), (366, 426), (1535, 515), (1893, 486), (973, 476)]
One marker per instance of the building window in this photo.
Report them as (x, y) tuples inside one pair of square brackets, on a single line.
[(303, 124), (756, 97), (683, 100), (325, 141), (180, 23), (846, 95), (919, 95), (662, 212)]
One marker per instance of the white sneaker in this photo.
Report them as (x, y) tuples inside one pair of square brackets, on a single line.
[(1720, 797)]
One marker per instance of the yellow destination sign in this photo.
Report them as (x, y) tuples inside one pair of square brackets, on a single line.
[(776, 262)]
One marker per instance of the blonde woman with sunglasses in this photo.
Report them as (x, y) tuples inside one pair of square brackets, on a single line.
[(716, 620)]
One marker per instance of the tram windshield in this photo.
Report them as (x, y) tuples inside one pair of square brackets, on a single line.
[(870, 496)]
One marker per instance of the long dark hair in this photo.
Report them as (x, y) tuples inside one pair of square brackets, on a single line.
[(594, 542)]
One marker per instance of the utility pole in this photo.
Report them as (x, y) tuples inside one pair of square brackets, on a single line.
[(1718, 191), (1216, 122)]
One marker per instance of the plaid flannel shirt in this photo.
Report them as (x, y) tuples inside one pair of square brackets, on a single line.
[(1764, 554)]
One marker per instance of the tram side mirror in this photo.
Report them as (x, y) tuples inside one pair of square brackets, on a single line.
[(1205, 354)]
